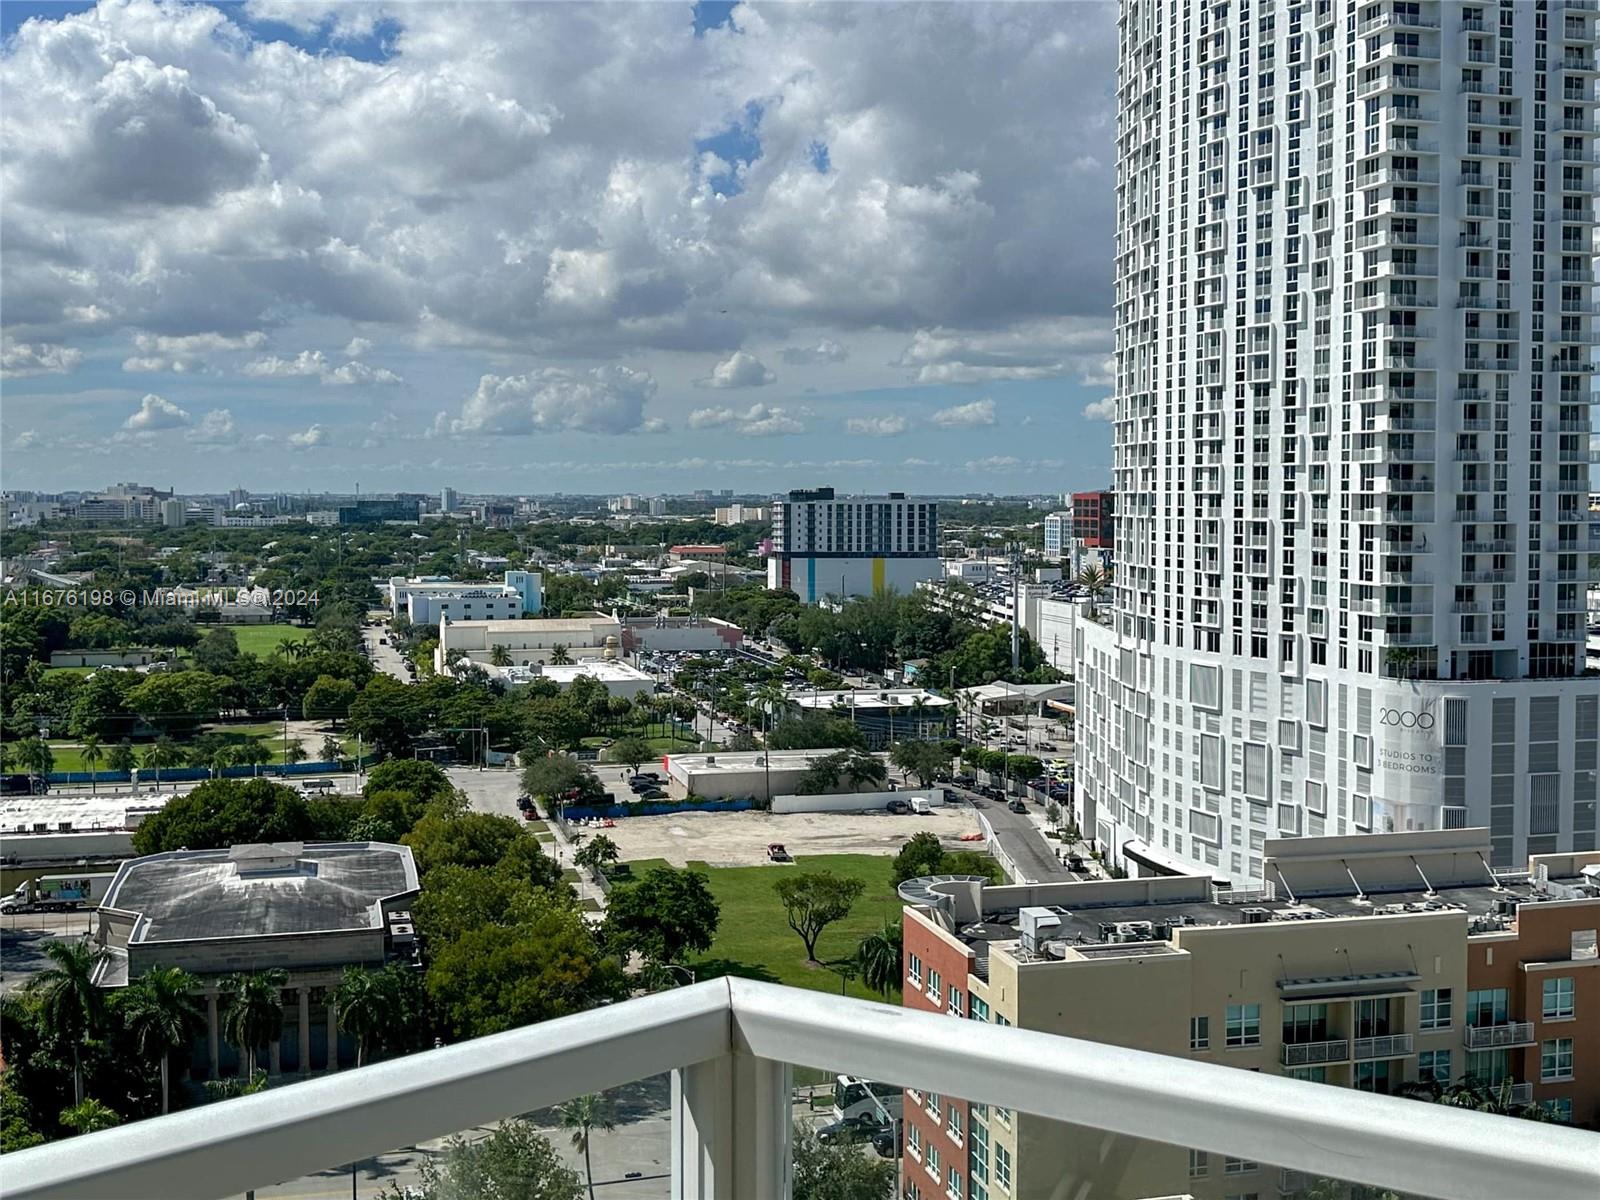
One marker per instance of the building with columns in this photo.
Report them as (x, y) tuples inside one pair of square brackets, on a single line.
[(311, 910)]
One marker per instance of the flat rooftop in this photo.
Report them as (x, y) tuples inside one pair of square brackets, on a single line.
[(23, 814), (539, 624), (605, 670), (867, 698), (261, 890), (747, 760)]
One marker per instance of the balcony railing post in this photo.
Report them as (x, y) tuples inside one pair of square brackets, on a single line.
[(730, 1130)]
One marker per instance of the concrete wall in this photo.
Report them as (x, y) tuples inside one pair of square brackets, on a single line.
[(215, 956), (851, 801), (101, 658)]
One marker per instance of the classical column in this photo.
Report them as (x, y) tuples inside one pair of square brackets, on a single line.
[(333, 1033), (211, 1031), (305, 1029)]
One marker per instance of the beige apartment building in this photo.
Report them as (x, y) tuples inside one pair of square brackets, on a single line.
[(1368, 961)]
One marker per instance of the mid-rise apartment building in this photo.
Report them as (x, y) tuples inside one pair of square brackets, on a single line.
[(1374, 962), (430, 599), (823, 545), (1057, 534), (1354, 323)]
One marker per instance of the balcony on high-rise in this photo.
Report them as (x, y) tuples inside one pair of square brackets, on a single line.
[(1111, 1122)]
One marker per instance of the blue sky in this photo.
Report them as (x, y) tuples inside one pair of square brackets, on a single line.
[(562, 247)]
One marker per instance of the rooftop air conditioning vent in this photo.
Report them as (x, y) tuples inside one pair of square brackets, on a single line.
[(1256, 916)]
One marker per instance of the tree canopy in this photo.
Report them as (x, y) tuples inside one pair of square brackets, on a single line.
[(665, 916), (814, 900)]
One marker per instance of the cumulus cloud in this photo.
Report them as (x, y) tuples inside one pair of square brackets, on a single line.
[(885, 426), (214, 429), (185, 354), (308, 438), (156, 413), (314, 364), (356, 347), (759, 420), (826, 350), (1032, 350), (1104, 409), (740, 370), (21, 359), (607, 399), (966, 416)]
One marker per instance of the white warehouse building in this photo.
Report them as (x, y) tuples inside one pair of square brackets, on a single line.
[(429, 599), (1352, 433)]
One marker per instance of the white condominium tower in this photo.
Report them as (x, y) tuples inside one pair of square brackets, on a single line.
[(1354, 298)]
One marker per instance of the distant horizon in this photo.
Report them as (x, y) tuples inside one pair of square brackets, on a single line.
[(288, 246)]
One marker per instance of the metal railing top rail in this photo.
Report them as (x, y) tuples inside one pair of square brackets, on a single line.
[(224, 1149)]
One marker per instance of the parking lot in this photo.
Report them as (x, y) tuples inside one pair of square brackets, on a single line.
[(740, 839)]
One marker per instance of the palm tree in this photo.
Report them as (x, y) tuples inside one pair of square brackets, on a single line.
[(121, 757), (499, 656), (222, 758), (878, 959), (89, 1116), (71, 1003), (161, 1012), (161, 755), (255, 1012), (35, 756), (582, 1115), (1093, 581), (559, 656), (292, 648), (368, 1007), (91, 754)]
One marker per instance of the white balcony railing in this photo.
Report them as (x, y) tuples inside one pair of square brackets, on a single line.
[(1491, 1037), (1394, 1045), (730, 1043)]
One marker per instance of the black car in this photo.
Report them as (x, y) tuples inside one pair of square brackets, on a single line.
[(887, 1142), (654, 793), (851, 1129), (899, 807), (1017, 806)]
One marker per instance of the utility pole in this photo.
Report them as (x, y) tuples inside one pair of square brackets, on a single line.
[(1016, 578)]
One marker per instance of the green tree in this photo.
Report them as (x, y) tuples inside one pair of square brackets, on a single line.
[(512, 1163), (499, 656), (817, 733), (463, 839), (630, 751), (176, 702), (925, 760), (1093, 580), (227, 812), (555, 775), (328, 699), (496, 977), (837, 1171), (71, 1003), (161, 1012), (254, 1012), (581, 1116), (879, 959), (161, 755), (665, 916), (91, 752), (217, 650), (376, 1006), (294, 752), (121, 757), (559, 657), (814, 900), (17, 1129), (89, 1116), (598, 853), (920, 856), (35, 756), (332, 749)]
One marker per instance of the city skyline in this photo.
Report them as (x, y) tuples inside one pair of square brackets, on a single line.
[(369, 242)]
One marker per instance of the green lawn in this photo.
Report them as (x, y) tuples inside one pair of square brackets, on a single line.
[(262, 640), (69, 670), (754, 938)]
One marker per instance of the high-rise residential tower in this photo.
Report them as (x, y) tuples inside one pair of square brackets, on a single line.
[(1354, 287)]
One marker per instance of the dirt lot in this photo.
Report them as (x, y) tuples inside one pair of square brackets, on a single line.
[(739, 839)]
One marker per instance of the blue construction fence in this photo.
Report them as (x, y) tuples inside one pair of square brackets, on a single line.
[(190, 774), (654, 808)]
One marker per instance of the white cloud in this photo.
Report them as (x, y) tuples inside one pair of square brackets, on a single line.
[(995, 462), (885, 426), (214, 429), (307, 438), (21, 359), (826, 350), (740, 370), (966, 416), (314, 364), (759, 420), (357, 347), (608, 399), (1104, 409), (187, 353), (156, 413), (1042, 349)]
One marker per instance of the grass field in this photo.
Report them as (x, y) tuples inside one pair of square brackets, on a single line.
[(69, 670), (754, 939), (270, 734), (262, 640)]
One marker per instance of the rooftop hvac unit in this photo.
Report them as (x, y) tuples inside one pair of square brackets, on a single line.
[(1506, 908), (1037, 926), (1256, 916), (401, 934)]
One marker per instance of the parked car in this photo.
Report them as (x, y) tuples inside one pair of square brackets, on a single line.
[(1039, 781), (777, 853), (966, 781), (654, 793), (1017, 806), (899, 807), (1074, 862), (887, 1141), (1047, 745), (852, 1129)]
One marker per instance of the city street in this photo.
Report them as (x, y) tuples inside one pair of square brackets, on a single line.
[(384, 658)]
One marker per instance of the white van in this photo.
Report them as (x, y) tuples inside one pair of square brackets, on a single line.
[(920, 806)]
